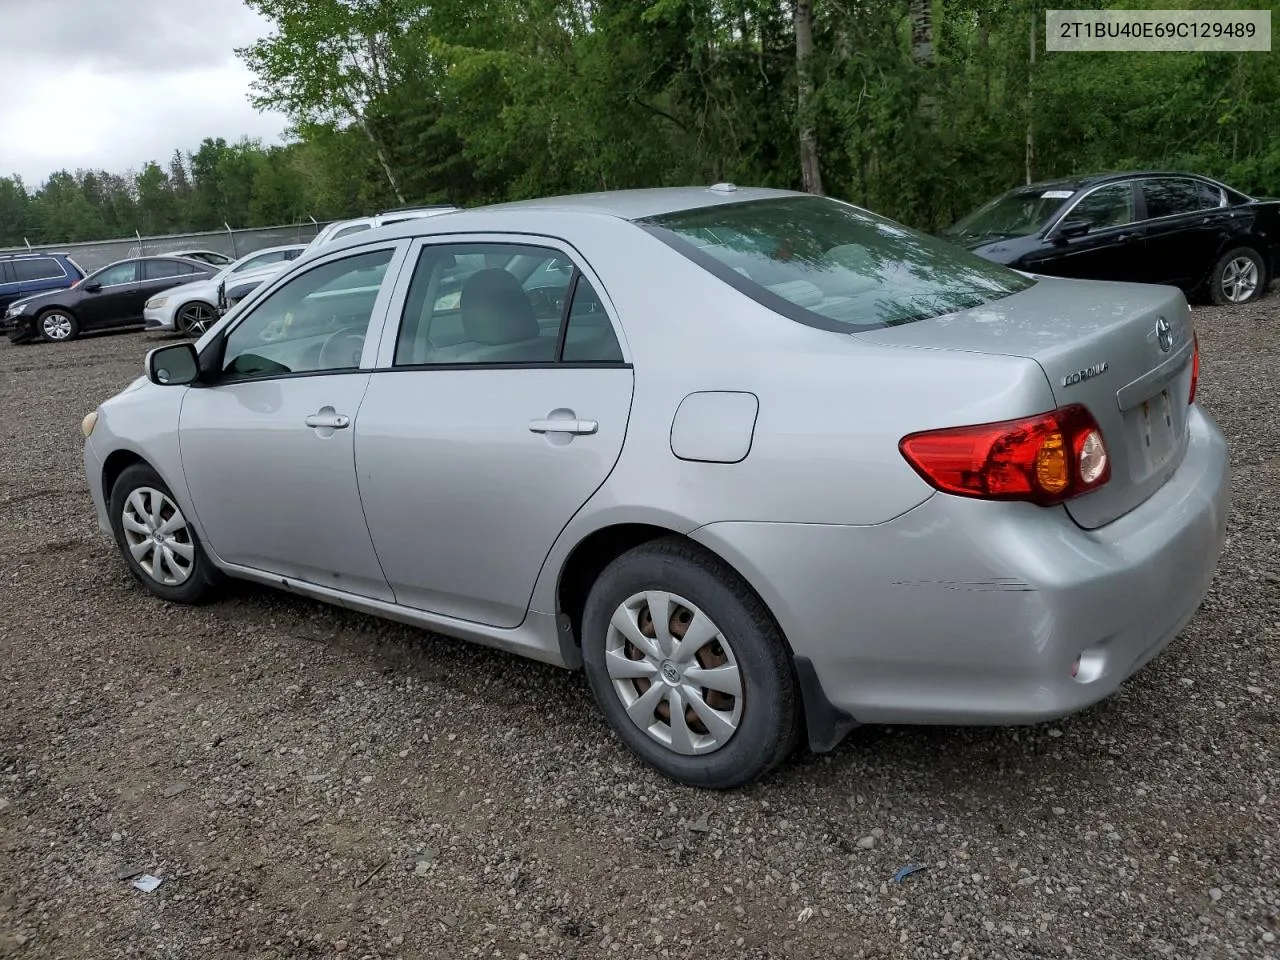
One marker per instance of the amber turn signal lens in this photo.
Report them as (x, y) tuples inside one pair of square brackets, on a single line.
[(1052, 472)]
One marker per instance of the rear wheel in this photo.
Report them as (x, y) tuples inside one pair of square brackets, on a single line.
[(195, 318), (57, 325), (156, 540), (1238, 277), (688, 666)]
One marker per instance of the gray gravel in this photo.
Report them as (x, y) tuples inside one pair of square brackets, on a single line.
[(307, 782)]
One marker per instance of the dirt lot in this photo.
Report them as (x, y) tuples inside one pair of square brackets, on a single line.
[(312, 783)]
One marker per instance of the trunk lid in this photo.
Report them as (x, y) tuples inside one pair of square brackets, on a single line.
[(1123, 350)]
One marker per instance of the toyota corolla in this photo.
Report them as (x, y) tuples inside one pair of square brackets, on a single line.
[(766, 465)]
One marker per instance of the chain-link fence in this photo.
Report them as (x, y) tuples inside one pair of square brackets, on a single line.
[(234, 243)]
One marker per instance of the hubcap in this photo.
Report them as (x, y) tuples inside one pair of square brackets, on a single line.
[(675, 672), (1240, 279), (158, 537), (57, 326), (197, 318)]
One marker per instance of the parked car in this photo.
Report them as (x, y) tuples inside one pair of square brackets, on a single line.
[(24, 274), (346, 228), (110, 297), (1153, 227), (764, 464), (192, 307), (208, 256), (231, 290)]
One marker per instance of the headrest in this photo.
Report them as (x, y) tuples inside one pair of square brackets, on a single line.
[(495, 309)]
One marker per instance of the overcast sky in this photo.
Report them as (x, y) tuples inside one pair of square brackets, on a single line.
[(111, 84)]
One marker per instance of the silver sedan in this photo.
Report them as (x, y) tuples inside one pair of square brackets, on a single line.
[(766, 465), (192, 307)]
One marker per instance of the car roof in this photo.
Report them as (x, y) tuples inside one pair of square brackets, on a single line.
[(1093, 179), (641, 202), (20, 254)]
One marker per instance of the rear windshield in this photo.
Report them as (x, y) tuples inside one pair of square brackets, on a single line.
[(832, 265)]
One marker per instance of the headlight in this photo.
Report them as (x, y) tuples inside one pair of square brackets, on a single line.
[(14, 310), (88, 423), (155, 303)]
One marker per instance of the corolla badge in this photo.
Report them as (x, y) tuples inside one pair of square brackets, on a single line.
[(1164, 334), (1088, 373)]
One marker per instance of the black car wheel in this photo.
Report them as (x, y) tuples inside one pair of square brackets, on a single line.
[(57, 326), (1238, 277), (195, 318), (157, 542), (688, 666)]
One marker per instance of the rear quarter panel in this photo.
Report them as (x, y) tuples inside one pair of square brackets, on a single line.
[(832, 409)]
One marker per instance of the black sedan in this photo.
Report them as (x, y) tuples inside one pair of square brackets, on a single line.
[(110, 297), (1152, 227)]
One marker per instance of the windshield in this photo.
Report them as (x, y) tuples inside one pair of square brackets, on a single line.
[(832, 265), (1018, 213)]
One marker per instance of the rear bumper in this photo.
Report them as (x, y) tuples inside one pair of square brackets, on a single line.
[(964, 611)]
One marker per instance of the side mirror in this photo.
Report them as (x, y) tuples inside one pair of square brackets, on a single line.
[(1072, 228), (173, 366), (93, 287)]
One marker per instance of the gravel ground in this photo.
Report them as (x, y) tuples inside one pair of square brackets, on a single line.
[(308, 782)]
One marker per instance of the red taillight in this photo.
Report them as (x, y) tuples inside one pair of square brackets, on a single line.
[(1195, 367), (1045, 459)]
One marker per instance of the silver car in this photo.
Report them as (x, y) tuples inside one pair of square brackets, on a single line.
[(764, 464), (192, 307)]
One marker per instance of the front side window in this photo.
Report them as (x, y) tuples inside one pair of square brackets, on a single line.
[(501, 303), (831, 265), (315, 322), (1109, 206), (38, 268), (117, 274), (1169, 197)]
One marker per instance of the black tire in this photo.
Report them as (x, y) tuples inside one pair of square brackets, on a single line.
[(769, 725), (1219, 279), (202, 580), (71, 325), (186, 324)]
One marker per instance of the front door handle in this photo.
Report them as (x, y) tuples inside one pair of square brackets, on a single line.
[(334, 421), (565, 425)]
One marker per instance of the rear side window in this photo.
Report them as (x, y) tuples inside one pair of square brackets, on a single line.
[(160, 269), (831, 265), (502, 303), (1168, 197), (6, 272), (38, 268)]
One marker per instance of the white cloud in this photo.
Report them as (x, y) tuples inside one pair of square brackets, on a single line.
[(111, 84)]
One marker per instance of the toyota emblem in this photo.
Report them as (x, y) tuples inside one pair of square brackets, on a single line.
[(1164, 334)]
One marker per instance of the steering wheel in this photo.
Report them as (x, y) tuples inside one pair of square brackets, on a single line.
[(341, 351)]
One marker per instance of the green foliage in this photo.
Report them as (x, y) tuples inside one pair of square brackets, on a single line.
[(475, 101)]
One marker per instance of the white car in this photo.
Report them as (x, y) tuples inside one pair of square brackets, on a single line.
[(344, 228), (192, 307)]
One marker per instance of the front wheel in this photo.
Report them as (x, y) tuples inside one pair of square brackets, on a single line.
[(156, 540), (56, 326), (1238, 277), (688, 666), (195, 318)]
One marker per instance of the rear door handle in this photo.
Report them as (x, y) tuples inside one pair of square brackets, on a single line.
[(334, 421), (564, 426)]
